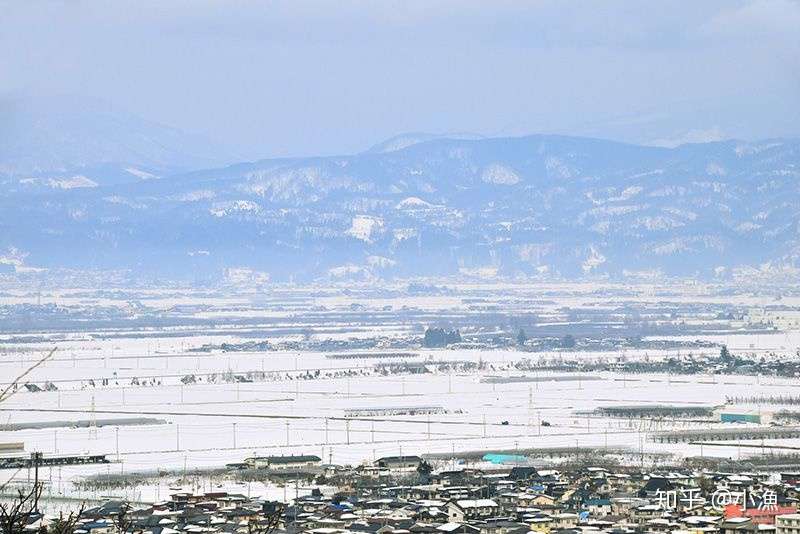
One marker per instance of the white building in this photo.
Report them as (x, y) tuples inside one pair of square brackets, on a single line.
[(787, 524)]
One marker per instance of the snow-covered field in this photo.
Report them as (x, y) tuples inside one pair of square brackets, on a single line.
[(213, 422)]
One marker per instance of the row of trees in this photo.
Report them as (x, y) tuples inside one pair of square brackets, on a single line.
[(440, 337)]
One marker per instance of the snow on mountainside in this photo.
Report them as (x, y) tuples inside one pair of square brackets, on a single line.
[(536, 205)]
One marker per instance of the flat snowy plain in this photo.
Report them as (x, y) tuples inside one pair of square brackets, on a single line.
[(207, 425)]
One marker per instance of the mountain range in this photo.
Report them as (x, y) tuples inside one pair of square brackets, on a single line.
[(124, 194)]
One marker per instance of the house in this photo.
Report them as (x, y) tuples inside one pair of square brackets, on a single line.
[(737, 525), (100, 526), (598, 507), (399, 463), (527, 499), (469, 509), (564, 520), (283, 462), (541, 500), (624, 505), (500, 526), (642, 514), (541, 523), (656, 486), (457, 528), (523, 473), (787, 524)]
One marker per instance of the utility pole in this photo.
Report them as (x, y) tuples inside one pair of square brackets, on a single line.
[(295, 501), (36, 457), (287, 433), (92, 420), (116, 438), (234, 435)]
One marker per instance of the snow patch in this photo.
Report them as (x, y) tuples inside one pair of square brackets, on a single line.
[(685, 244), (348, 270), (601, 227), (628, 193), (413, 203), (245, 276), (364, 227), (232, 208), (557, 167), (593, 260), (402, 234), (647, 173), (480, 272), (500, 175), (747, 226), (380, 262), (76, 182), (715, 169), (657, 223), (16, 258), (688, 215), (142, 175), (753, 149), (78, 214), (533, 253)]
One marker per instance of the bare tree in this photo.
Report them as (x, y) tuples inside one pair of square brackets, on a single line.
[(268, 524), (122, 520), (13, 387), (17, 513), (65, 524)]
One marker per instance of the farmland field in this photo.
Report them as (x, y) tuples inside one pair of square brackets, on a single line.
[(217, 377)]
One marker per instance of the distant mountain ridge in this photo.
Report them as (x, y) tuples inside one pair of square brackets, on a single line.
[(65, 136), (534, 206)]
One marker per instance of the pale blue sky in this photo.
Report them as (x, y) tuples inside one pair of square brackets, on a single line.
[(278, 78)]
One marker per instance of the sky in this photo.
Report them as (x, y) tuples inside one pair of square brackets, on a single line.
[(293, 78)]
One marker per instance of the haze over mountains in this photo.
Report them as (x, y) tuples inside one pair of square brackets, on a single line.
[(118, 193), (67, 135)]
